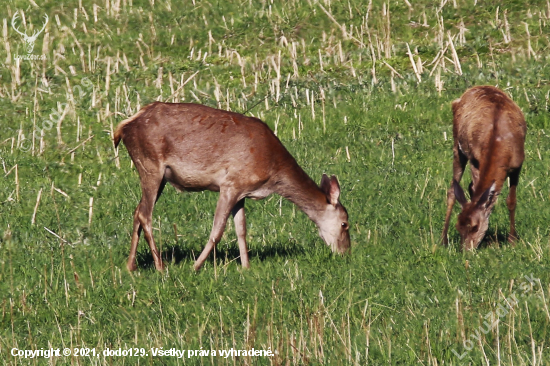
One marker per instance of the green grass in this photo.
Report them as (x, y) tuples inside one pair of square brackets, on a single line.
[(400, 298)]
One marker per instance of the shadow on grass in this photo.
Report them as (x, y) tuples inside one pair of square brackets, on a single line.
[(492, 239), (172, 254), (176, 254)]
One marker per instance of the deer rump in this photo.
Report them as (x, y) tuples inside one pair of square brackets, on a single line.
[(194, 148)]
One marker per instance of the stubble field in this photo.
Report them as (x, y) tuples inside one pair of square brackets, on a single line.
[(356, 89)]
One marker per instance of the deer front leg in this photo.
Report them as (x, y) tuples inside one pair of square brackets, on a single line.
[(459, 163), (240, 229), (225, 203), (511, 203)]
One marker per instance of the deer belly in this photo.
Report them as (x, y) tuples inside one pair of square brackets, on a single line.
[(259, 193), (192, 183)]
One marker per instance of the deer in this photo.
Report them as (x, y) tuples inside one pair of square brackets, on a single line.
[(28, 40), (489, 132), (196, 148)]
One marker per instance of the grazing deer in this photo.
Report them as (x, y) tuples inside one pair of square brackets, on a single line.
[(489, 132), (195, 148)]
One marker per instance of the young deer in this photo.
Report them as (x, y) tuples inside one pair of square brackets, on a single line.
[(196, 148), (489, 132)]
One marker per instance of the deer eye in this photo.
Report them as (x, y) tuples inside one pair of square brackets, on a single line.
[(345, 225)]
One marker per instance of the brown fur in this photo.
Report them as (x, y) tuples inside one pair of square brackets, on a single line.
[(489, 132), (194, 148), (117, 136)]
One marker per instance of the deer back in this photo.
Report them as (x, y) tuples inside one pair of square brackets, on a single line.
[(489, 129), (203, 147)]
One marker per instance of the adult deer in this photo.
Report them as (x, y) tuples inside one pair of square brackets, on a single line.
[(195, 148), (489, 132)]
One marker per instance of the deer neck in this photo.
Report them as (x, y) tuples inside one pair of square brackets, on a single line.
[(296, 186), (493, 170)]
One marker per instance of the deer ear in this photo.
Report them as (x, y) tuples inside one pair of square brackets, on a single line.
[(331, 188), (459, 193), (488, 196), (325, 184)]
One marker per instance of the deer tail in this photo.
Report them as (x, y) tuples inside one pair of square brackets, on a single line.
[(119, 131)]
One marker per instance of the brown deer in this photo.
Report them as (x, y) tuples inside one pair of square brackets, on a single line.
[(489, 132), (195, 148)]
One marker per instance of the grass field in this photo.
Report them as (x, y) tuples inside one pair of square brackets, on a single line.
[(353, 88)]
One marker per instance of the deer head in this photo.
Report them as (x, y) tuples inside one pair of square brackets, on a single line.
[(28, 40), (334, 226), (473, 221)]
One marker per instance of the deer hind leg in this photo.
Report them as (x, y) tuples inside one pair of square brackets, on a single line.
[(143, 220), (459, 163), (131, 265), (240, 229), (511, 203), (225, 203)]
